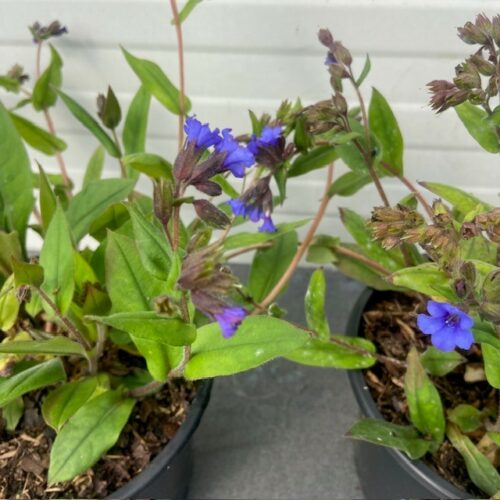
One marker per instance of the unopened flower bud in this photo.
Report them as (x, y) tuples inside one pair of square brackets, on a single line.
[(342, 54), (325, 37), (41, 33), (471, 34), (108, 109), (483, 66), (495, 29), (467, 76), (211, 214), (469, 230), (340, 103)]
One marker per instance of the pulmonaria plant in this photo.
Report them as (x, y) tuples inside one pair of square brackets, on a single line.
[(445, 253), (152, 298)]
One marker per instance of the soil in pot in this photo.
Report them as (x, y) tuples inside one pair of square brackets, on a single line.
[(24, 453), (389, 321)]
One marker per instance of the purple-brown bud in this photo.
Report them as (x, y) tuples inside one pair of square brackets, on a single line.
[(211, 214)]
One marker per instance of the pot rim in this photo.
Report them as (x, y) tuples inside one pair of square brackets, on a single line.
[(425, 475), (172, 448)]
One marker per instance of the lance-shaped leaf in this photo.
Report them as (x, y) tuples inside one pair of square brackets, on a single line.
[(440, 363), (95, 166), (316, 158), (467, 417), (384, 126), (37, 137), (481, 471), (460, 200), (44, 92), (152, 165), (485, 334), (27, 274), (186, 10), (40, 375), (491, 356), (89, 433), (48, 201), (269, 265), (136, 125), (58, 346), (58, 263), (479, 127), (404, 438), (424, 402), (151, 326), (259, 339), (156, 82), (90, 124), (364, 72), (91, 202), (62, 403), (9, 305), (10, 248), (315, 305), (12, 413), (349, 183), (16, 180), (130, 286), (425, 278), (343, 352)]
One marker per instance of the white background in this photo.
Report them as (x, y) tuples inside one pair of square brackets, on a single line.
[(243, 54)]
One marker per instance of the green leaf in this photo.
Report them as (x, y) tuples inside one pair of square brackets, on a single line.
[(485, 334), (62, 403), (349, 152), (426, 278), (43, 374), (226, 186), (186, 10), (9, 305), (314, 303), (48, 201), (89, 433), (321, 251), (364, 73), (404, 438), (12, 413), (44, 92), (467, 417), (461, 201), (113, 218), (157, 83), (152, 327), (384, 126), (37, 137), (491, 357), (130, 286), (358, 229), (440, 363), (316, 158), (481, 471), (91, 202), (424, 402), (245, 239), (58, 262), (27, 274), (10, 248), (259, 339), (58, 346), (94, 168), (349, 183), (10, 84), (90, 124), (476, 122), (16, 180), (335, 355), (154, 249), (269, 265), (151, 165)]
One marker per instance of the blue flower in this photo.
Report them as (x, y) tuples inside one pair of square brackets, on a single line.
[(448, 326), (268, 225), (230, 319), (199, 134), (237, 157), (268, 137), (330, 59)]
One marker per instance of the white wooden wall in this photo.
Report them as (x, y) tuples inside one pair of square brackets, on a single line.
[(243, 54)]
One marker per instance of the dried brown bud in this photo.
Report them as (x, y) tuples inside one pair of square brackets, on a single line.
[(467, 76), (445, 95), (471, 34), (469, 230), (342, 54), (211, 214), (325, 37), (340, 103)]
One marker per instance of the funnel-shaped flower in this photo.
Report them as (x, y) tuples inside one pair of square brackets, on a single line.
[(237, 157)]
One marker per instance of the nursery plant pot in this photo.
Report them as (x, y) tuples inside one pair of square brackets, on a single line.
[(386, 472), (169, 473)]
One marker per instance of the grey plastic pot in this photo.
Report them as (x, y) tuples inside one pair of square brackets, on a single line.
[(386, 472), (169, 473)]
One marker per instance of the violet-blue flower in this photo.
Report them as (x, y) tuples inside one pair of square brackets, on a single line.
[(268, 225), (237, 157), (448, 326), (230, 319), (268, 137), (199, 134)]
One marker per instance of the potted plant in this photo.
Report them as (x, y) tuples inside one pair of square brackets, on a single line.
[(428, 338), (106, 332)]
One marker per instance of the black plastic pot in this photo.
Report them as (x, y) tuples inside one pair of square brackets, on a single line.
[(386, 472), (169, 473)]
